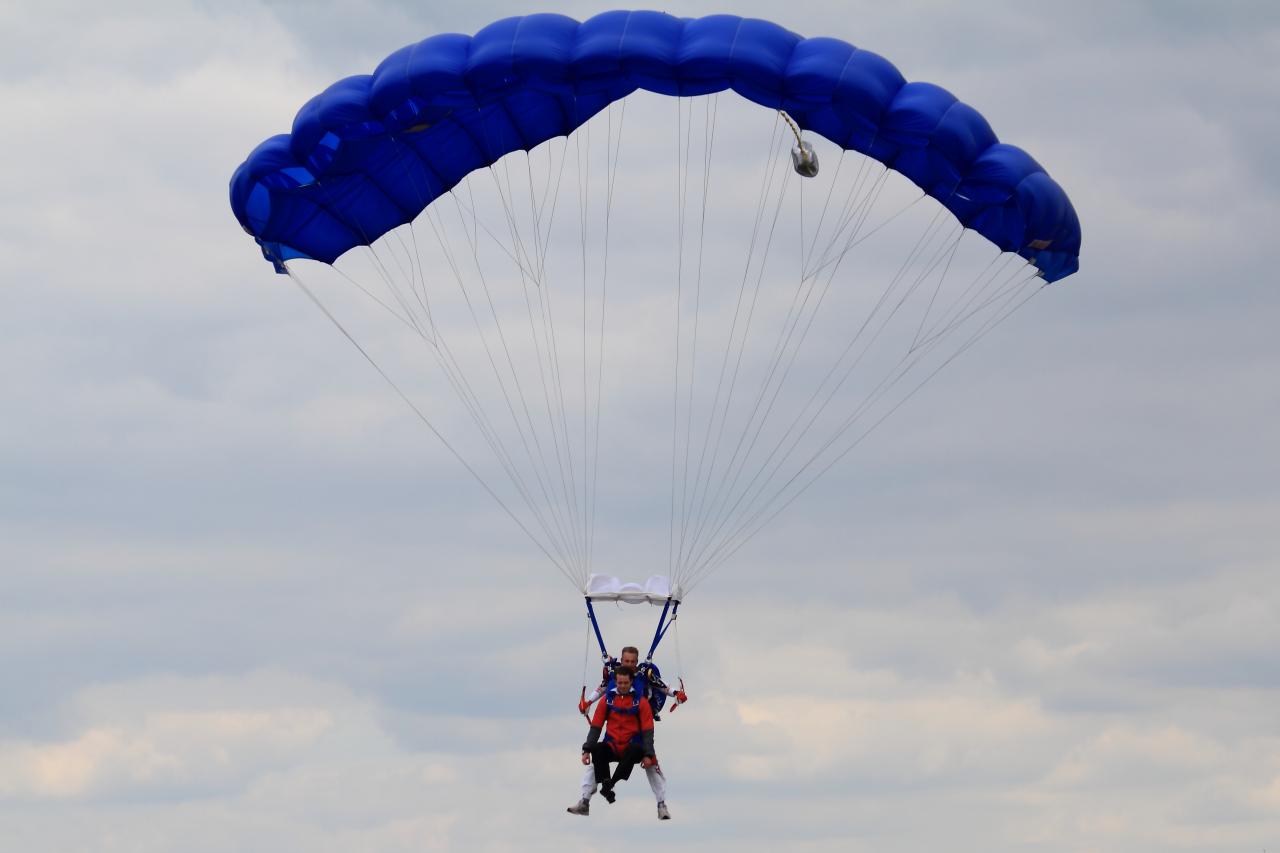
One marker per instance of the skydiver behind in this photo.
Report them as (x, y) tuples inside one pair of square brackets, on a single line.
[(627, 720), (648, 682)]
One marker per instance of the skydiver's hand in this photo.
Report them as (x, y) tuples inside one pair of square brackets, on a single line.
[(583, 704), (681, 696), (649, 761), (586, 758)]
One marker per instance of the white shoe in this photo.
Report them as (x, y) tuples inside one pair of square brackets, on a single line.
[(663, 814), (582, 807)]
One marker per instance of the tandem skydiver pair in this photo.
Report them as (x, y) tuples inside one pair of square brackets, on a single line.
[(633, 696)]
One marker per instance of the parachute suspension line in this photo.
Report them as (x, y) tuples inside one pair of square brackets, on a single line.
[(546, 360), (951, 256), (542, 243), (964, 312), (684, 135), (765, 183), (542, 471), (390, 281), (680, 482), (457, 382), (728, 483), (675, 403), (711, 114), (611, 177), (478, 225), (530, 282), (675, 638), (746, 328), (418, 278), (417, 274), (852, 244), (772, 468), (826, 206), (472, 400), (770, 474), (756, 525), (852, 343), (697, 496), (583, 173), (853, 217), (965, 297), (795, 314), (406, 320), (800, 236), (543, 291), (441, 235), (293, 276), (578, 510), (444, 355), (456, 374), (387, 279), (857, 203), (806, 247)]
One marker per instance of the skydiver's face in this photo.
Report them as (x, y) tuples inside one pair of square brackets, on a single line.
[(624, 684), (630, 659)]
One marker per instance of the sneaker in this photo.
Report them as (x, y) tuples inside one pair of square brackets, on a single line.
[(582, 807), (608, 794), (663, 814)]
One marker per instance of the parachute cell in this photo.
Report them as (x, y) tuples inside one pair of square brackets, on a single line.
[(372, 151)]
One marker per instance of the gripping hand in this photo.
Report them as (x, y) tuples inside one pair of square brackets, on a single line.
[(681, 696)]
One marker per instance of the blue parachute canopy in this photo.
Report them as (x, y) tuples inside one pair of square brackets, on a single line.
[(371, 152)]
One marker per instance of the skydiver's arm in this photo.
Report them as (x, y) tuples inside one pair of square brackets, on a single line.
[(604, 681), (657, 685), (597, 723)]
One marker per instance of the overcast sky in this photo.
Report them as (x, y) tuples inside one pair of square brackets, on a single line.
[(247, 603)]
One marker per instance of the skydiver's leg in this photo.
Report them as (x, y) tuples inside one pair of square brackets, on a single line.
[(629, 758), (657, 783), (589, 783), (601, 755)]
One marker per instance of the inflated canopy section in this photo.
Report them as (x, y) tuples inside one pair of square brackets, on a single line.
[(371, 152)]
